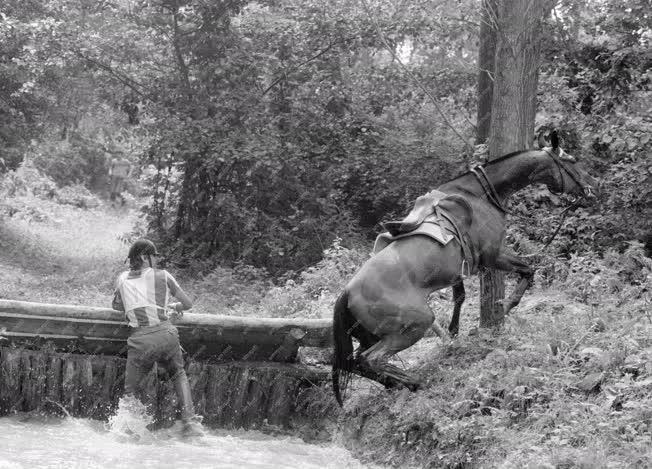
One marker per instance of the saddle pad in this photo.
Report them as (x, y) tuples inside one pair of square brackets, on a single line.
[(429, 229)]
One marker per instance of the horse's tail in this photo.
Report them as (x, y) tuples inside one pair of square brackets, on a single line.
[(343, 362)]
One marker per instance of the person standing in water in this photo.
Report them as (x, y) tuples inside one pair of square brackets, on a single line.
[(143, 293), (119, 170)]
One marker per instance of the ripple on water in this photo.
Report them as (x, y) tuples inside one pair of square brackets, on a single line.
[(80, 443)]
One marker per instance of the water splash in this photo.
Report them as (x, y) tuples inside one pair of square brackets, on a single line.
[(130, 421), (75, 443)]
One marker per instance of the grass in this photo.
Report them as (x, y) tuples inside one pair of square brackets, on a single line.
[(65, 255), (519, 397)]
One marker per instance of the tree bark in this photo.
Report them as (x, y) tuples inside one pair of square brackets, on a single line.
[(486, 65), (517, 57), (510, 47)]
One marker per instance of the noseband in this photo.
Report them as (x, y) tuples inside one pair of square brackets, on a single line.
[(562, 167)]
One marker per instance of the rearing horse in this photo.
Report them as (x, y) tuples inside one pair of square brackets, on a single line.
[(384, 306)]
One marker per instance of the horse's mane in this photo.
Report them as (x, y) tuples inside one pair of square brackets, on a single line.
[(495, 160)]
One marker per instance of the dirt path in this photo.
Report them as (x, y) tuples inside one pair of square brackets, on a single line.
[(70, 256)]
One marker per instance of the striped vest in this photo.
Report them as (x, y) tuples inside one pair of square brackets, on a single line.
[(145, 294)]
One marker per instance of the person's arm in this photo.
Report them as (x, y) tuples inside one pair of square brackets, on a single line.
[(184, 300), (117, 303)]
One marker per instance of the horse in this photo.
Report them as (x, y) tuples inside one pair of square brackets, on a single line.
[(452, 231)]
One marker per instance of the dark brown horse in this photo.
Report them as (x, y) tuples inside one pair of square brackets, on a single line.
[(384, 306)]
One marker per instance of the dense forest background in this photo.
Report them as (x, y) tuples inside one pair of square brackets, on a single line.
[(265, 130)]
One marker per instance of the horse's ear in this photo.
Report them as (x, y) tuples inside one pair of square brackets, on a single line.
[(566, 156), (541, 140), (554, 139)]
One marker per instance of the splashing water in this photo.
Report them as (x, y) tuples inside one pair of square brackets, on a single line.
[(130, 420), (28, 441)]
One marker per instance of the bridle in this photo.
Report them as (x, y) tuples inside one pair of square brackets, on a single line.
[(492, 195), (586, 190), (489, 189)]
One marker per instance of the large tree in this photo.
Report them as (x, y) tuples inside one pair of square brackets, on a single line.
[(509, 59)]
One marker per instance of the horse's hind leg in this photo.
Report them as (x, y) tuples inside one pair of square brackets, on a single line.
[(459, 295), (373, 362), (511, 263)]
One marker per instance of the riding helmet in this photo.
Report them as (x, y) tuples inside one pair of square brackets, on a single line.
[(142, 247)]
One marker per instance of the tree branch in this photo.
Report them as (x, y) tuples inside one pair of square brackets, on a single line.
[(125, 80), (411, 75), (307, 61)]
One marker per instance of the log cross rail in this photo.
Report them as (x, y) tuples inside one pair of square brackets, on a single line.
[(213, 338)]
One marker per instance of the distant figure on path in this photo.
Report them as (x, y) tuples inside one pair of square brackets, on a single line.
[(142, 293), (119, 170)]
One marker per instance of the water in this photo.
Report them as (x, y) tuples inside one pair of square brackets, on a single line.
[(48, 442)]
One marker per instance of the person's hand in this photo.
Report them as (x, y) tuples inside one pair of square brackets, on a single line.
[(177, 312)]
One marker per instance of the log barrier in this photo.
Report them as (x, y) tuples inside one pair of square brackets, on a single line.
[(244, 372)]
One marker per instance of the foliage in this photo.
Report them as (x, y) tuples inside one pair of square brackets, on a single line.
[(273, 129), (595, 78), (313, 293)]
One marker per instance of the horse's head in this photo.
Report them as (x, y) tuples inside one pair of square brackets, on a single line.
[(562, 172)]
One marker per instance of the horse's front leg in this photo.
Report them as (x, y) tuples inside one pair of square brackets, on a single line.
[(511, 263), (459, 296)]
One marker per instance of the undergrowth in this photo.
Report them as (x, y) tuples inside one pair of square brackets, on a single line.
[(566, 383)]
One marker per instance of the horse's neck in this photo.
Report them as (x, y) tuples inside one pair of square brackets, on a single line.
[(512, 174)]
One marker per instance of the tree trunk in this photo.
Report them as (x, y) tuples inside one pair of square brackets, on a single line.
[(518, 51), (486, 65), (511, 31)]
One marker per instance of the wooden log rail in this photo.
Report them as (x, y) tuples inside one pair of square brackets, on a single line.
[(204, 336), (243, 371)]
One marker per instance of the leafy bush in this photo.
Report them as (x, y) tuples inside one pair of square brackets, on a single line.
[(73, 161), (313, 293), (234, 291)]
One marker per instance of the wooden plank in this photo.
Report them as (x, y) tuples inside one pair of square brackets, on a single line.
[(70, 386), (216, 391), (198, 379), (256, 398), (53, 381), (236, 394), (281, 399), (10, 387)]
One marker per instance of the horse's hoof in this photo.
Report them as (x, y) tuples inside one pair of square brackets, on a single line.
[(413, 387), (506, 307)]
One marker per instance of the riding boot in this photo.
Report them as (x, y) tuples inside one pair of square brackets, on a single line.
[(191, 422)]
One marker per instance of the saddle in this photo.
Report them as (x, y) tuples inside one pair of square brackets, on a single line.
[(440, 216)]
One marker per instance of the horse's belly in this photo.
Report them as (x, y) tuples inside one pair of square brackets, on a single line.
[(384, 310)]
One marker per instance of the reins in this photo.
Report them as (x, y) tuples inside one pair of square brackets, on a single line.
[(490, 191), (562, 217)]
